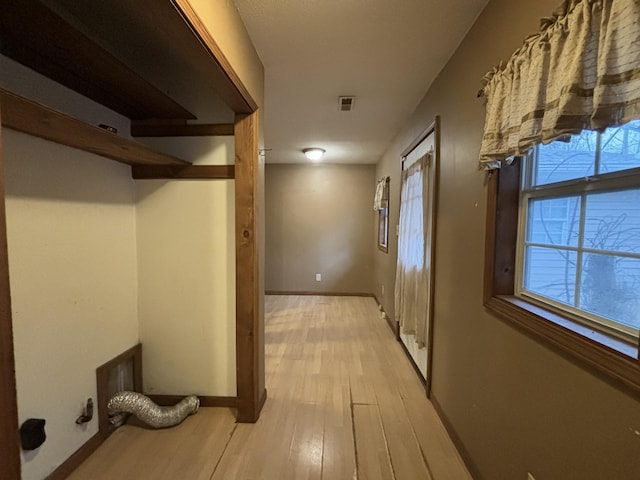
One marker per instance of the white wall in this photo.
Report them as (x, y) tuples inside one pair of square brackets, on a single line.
[(81, 295), (186, 253), (72, 265)]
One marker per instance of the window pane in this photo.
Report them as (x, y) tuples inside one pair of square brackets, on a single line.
[(612, 221), (383, 227), (550, 272), (560, 161), (555, 221), (411, 240), (611, 288), (620, 148)]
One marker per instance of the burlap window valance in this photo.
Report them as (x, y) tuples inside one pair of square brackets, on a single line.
[(581, 71)]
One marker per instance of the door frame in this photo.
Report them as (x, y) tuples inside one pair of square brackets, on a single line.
[(9, 437), (433, 128)]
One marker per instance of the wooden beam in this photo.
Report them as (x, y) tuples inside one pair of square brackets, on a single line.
[(38, 38), (193, 172), (228, 84), (249, 328), (503, 199), (24, 115), (140, 129), (9, 440)]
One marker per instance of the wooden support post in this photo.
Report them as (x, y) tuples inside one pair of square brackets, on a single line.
[(249, 334), (9, 441)]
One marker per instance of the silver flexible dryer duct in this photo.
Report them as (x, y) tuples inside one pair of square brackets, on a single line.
[(148, 412)]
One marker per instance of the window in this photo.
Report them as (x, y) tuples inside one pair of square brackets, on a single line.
[(383, 218), (563, 249), (579, 238), (383, 227)]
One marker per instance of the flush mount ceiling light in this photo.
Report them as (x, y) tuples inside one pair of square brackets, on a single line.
[(313, 153)]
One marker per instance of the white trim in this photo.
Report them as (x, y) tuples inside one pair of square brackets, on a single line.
[(582, 188), (619, 330), (570, 248)]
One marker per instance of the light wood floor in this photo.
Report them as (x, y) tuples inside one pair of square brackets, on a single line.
[(343, 403)]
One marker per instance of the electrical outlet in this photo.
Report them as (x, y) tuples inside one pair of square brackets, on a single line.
[(318, 277), (382, 288), (529, 476)]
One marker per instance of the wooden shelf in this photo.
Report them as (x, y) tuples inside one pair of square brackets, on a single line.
[(40, 39), (24, 115), (77, 44)]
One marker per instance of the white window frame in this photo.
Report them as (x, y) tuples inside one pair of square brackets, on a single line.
[(606, 182)]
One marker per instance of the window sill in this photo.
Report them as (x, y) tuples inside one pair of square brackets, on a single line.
[(607, 354)]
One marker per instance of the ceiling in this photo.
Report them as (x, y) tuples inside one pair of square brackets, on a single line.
[(385, 52)]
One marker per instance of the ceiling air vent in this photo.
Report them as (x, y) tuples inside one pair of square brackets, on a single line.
[(346, 103)]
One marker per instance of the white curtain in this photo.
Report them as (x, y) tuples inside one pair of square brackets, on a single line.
[(582, 71), (382, 194), (411, 289)]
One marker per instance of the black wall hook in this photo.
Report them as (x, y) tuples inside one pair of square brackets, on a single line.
[(87, 415)]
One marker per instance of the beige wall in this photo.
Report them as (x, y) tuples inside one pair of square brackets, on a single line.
[(72, 258), (74, 237), (319, 219), (222, 19), (516, 404), (72, 267), (186, 255)]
